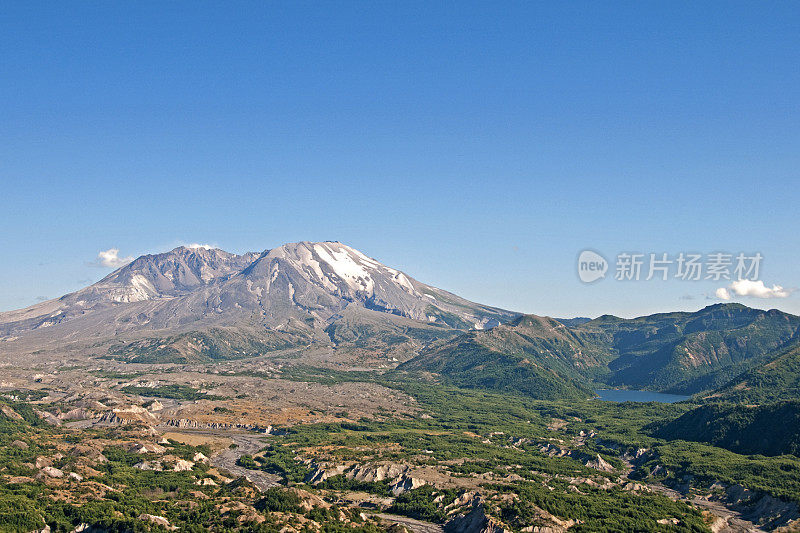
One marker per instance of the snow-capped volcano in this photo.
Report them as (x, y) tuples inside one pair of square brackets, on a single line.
[(305, 285), (329, 276), (315, 281), (335, 267)]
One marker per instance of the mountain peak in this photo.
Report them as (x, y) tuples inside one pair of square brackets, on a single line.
[(724, 305), (196, 246), (534, 322), (317, 271), (305, 283), (162, 275)]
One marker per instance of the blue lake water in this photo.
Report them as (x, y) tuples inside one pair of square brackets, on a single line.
[(611, 395)]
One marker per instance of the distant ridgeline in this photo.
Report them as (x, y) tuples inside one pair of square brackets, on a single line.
[(682, 353)]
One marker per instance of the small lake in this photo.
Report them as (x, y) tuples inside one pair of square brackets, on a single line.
[(613, 395)]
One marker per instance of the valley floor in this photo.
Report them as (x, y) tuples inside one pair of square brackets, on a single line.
[(294, 448)]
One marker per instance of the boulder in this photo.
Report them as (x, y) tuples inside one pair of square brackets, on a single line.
[(182, 465), (155, 519), (405, 483), (149, 465), (9, 412), (598, 463), (50, 471)]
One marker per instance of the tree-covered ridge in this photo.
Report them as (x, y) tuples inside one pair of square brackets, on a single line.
[(779, 379), (771, 429), (690, 352), (470, 364)]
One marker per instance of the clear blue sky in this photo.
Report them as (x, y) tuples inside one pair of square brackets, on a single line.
[(477, 146)]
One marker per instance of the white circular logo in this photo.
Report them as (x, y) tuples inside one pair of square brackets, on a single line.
[(591, 266)]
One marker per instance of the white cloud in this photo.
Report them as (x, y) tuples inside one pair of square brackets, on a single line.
[(196, 245), (752, 289), (110, 259)]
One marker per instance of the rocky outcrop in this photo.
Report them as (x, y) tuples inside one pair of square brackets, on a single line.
[(128, 415), (145, 447), (79, 413), (598, 463), (49, 471), (761, 509), (50, 418), (635, 456), (87, 454), (181, 465), (397, 476), (168, 462), (186, 423), (149, 465), (475, 521), (595, 461), (553, 450), (377, 472), (10, 413), (321, 471), (157, 520), (404, 483)]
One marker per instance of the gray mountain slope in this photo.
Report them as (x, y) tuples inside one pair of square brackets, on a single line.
[(317, 281), (299, 291), (149, 277)]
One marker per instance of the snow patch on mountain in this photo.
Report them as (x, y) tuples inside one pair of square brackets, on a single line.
[(137, 289), (346, 267)]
